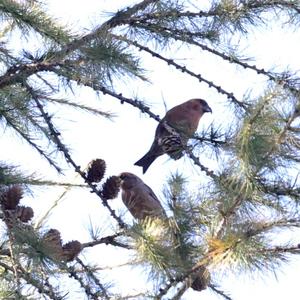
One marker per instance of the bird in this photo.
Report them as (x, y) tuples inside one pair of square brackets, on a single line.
[(142, 203), (139, 198), (174, 130)]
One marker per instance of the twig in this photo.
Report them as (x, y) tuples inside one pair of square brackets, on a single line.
[(31, 143), (18, 73), (175, 280), (94, 278), (288, 4), (291, 249), (138, 104), (185, 70), (86, 287), (108, 240), (119, 19), (61, 147), (197, 162), (34, 282), (221, 293)]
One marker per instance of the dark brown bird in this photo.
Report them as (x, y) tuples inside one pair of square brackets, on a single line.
[(142, 203), (174, 130), (139, 197)]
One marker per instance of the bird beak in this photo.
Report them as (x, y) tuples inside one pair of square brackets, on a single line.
[(207, 109)]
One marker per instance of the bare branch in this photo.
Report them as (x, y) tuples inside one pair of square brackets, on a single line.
[(68, 158), (107, 240)]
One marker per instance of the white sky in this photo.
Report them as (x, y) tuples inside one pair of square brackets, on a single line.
[(128, 137)]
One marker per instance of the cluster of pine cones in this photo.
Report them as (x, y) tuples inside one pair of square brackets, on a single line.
[(15, 215)]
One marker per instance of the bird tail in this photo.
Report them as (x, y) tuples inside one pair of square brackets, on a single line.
[(146, 161)]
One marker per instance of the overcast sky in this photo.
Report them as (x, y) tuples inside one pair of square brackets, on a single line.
[(122, 141)]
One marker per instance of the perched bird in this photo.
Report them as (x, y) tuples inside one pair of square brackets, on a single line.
[(142, 203), (139, 197), (174, 130)]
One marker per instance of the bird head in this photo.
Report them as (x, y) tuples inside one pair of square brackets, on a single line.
[(128, 180), (205, 107)]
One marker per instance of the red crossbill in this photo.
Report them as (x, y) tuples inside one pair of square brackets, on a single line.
[(174, 130)]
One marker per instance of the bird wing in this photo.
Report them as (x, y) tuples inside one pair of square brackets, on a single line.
[(142, 202), (150, 203)]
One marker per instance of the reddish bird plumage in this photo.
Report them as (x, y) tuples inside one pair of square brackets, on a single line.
[(139, 197), (174, 130)]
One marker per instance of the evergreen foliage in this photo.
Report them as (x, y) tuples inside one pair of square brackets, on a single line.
[(226, 223)]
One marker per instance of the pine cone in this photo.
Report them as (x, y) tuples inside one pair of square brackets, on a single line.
[(96, 170), (71, 250), (201, 281), (111, 187), (11, 197), (24, 213)]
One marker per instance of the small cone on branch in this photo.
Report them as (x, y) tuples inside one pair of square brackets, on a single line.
[(96, 170), (24, 213), (11, 197), (111, 187), (199, 284), (201, 280), (71, 250)]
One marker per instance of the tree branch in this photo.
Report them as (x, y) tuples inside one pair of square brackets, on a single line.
[(94, 278), (19, 73), (185, 70), (277, 250), (61, 147), (115, 21), (34, 282), (107, 240)]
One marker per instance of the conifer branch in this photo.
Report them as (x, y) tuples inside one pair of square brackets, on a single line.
[(175, 280), (13, 258), (19, 73), (183, 69), (179, 293), (94, 278), (266, 226), (115, 21), (11, 123), (293, 5), (279, 189), (136, 103), (280, 137), (107, 240), (188, 37), (172, 14), (216, 11), (232, 59), (81, 107), (219, 292), (86, 287), (31, 16), (62, 148), (281, 249), (40, 286), (212, 140), (197, 162)]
